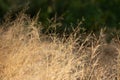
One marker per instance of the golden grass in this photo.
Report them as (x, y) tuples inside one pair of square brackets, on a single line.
[(27, 54)]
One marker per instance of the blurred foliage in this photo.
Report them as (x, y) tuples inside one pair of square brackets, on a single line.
[(93, 13)]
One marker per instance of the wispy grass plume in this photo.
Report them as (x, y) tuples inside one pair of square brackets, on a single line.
[(28, 54)]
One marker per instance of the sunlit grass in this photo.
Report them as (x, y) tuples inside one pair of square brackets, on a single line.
[(28, 54)]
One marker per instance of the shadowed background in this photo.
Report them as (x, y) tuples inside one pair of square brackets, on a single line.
[(94, 14)]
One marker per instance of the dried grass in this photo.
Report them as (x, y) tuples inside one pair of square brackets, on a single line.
[(27, 54)]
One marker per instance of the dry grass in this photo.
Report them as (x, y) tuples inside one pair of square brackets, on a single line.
[(27, 54)]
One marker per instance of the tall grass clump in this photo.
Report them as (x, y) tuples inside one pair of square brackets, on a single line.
[(28, 54)]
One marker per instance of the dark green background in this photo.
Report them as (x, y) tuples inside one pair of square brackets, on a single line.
[(96, 13)]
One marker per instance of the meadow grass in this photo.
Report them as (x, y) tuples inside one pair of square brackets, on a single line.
[(28, 54)]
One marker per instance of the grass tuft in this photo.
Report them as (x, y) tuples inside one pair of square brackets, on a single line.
[(28, 54)]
